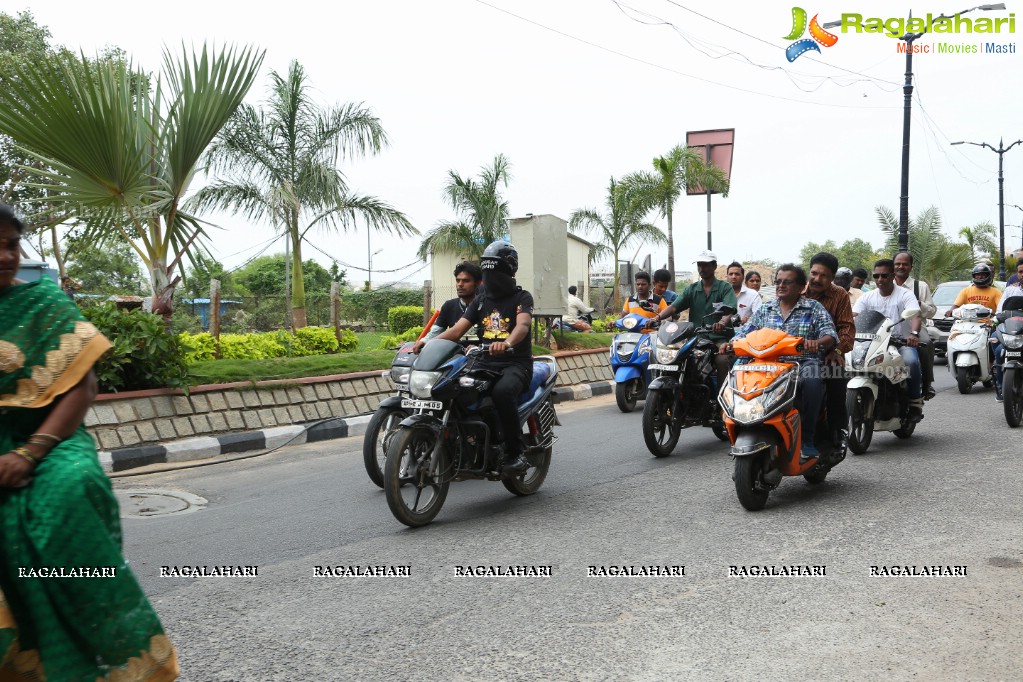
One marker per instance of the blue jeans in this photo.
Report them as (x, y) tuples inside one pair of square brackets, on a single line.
[(997, 368), (912, 360), (811, 395)]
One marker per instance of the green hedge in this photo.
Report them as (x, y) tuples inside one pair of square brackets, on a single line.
[(372, 306), (259, 346), (389, 342), (144, 355), (403, 317)]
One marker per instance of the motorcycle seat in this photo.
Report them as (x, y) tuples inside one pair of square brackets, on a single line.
[(541, 373)]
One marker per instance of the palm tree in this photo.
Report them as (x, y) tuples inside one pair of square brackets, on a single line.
[(981, 239), (680, 170), (119, 157), (935, 258), (621, 225), (482, 212), (279, 163)]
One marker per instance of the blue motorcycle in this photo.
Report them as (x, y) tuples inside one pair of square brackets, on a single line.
[(451, 432), (630, 356)]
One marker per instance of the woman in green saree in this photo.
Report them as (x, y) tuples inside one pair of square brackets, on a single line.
[(70, 608)]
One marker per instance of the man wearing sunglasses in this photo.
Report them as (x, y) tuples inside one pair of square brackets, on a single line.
[(891, 301), (797, 315)]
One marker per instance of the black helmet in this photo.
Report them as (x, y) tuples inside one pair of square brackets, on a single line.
[(983, 275), (500, 256)]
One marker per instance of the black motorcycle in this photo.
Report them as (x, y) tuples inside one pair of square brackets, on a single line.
[(683, 390), (1010, 335), (451, 433), (388, 416)]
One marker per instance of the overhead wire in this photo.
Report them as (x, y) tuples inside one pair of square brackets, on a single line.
[(795, 77), (672, 70)]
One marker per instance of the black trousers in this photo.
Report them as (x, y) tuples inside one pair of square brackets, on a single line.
[(505, 394), (834, 397)]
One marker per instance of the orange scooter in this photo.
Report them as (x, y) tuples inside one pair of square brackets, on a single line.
[(762, 421)]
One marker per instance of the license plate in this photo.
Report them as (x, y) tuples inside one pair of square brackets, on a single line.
[(1013, 354), (866, 337), (422, 404), (663, 368)]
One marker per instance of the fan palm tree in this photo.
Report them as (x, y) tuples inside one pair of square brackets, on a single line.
[(482, 212), (279, 163), (680, 170), (620, 226), (935, 258), (119, 158), (981, 239)]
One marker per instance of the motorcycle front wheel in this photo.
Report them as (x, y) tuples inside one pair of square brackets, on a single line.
[(414, 494), (1012, 400), (660, 429), (379, 431), (861, 429), (747, 473), (627, 393), (963, 380)]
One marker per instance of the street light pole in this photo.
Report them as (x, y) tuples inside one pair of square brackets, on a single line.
[(907, 109), (1001, 198)]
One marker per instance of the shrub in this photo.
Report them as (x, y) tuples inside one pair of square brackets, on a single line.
[(198, 347), (389, 342), (606, 324), (349, 341), (372, 306), (182, 320), (251, 346), (403, 317), (145, 354)]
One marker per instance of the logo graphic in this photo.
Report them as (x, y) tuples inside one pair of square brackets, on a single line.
[(818, 35)]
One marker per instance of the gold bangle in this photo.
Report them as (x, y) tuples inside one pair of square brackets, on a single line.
[(20, 450), (56, 440)]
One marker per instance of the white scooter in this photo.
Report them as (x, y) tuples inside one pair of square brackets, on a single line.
[(969, 349), (877, 397)]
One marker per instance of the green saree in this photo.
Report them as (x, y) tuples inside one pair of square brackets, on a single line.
[(63, 629)]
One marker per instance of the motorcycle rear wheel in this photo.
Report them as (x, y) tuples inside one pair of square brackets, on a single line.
[(660, 430), (381, 427), (626, 394), (861, 429), (1012, 400), (963, 380), (747, 472), (407, 477)]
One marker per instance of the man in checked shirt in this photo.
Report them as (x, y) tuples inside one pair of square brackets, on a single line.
[(797, 315)]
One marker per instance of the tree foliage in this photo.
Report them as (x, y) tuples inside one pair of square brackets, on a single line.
[(852, 254), (279, 163), (936, 258), (265, 276), (674, 174), (481, 212), (107, 268), (621, 225), (120, 159)]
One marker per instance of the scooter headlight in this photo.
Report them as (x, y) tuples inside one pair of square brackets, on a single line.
[(748, 411), (859, 354), (420, 383), (963, 337), (1012, 341)]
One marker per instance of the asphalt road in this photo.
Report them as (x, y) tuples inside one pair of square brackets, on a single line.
[(948, 496)]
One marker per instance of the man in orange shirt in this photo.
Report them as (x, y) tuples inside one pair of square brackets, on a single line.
[(981, 291), (645, 302)]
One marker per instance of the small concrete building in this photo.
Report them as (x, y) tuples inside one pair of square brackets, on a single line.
[(550, 260)]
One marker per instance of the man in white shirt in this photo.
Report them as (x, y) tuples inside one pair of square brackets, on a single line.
[(891, 301), (903, 266), (575, 310), (748, 300)]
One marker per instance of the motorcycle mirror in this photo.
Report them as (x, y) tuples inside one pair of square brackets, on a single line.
[(910, 313)]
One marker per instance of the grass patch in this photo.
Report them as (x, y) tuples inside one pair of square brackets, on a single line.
[(370, 340), (364, 360), (225, 371)]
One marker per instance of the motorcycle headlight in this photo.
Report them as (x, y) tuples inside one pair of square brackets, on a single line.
[(399, 375), (421, 383), (751, 411), (859, 353), (1013, 341), (746, 411), (666, 354)]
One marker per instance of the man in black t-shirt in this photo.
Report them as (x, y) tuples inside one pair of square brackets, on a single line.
[(505, 312), (467, 280)]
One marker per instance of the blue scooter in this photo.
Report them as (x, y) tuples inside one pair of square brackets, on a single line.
[(630, 356)]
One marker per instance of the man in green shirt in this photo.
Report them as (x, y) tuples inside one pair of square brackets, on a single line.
[(699, 299)]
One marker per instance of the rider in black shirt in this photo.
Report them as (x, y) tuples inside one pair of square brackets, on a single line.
[(505, 312)]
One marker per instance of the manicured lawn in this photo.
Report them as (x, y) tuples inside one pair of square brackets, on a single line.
[(370, 340), (225, 371)]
